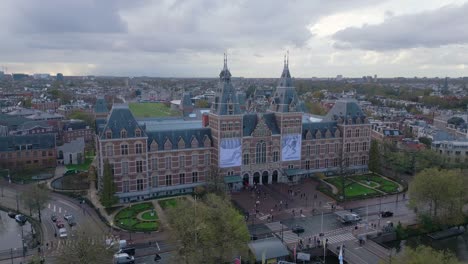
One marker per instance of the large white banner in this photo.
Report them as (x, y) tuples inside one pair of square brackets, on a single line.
[(291, 147), (230, 152)]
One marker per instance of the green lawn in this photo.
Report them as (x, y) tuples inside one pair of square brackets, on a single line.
[(168, 203), (127, 218), (82, 167), (356, 189), (152, 110), (147, 216), (385, 185), (372, 184)]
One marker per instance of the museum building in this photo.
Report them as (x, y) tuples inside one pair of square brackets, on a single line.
[(154, 157)]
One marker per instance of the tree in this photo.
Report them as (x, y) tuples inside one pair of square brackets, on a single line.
[(108, 197), (35, 198), (210, 231), (88, 118), (215, 182), (374, 157), (456, 121), (425, 255), (202, 104), (439, 195), (426, 141), (84, 251)]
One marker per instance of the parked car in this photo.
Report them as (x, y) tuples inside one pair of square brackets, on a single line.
[(11, 214), (53, 217), (59, 223), (298, 229), (67, 216), (386, 214), (21, 218), (71, 221), (63, 232), (123, 258), (129, 250)]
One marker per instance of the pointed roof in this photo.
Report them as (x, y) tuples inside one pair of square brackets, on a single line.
[(121, 118), (348, 111), (101, 105), (285, 98), (226, 101)]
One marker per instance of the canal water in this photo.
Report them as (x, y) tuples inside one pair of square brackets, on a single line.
[(10, 232), (457, 245)]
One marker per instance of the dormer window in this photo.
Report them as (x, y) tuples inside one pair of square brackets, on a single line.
[(123, 134), (108, 134), (137, 133)]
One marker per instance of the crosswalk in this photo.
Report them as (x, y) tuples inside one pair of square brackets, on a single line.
[(58, 244), (336, 239)]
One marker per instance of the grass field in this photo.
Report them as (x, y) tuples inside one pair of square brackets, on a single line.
[(169, 203), (127, 218), (152, 110), (385, 185)]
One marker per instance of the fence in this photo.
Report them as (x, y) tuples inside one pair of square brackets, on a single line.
[(13, 253)]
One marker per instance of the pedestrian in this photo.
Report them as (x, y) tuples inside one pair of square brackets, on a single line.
[(276, 206), (286, 205), (272, 218), (293, 212), (301, 211)]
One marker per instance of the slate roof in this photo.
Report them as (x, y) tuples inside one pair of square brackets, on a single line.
[(250, 122), (101, 105), (175, 135), (348, 110), (225, 94), (323, 126), (12, 121), (38, 141), (285, 98), (73, 146), (32, 124), (121, 118), (186, 99)]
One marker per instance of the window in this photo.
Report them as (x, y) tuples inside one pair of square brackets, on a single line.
[(154, 181), (138, 148), (347, 162), (356, 146), (357, 132), (327, 148), (154, 164), (317, 150), (308, 150), (245, 159), (124, 149), (348, 147), (124, 167), (364, 146), (260, 154), (194, 160), (207, 159), (168, 163), (123, 134), (317, 164), (335, 162), (195, 176), (168, 180), (110, 150), (181, 161), (126, 186), (182, 178), (307, 164), (348, 133), (327, 163), (139, 166), (139, 184), (290, 166), (363, 160), (137, 133), (275, 156)]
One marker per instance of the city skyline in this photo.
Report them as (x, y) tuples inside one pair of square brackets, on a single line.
[(187, 38)]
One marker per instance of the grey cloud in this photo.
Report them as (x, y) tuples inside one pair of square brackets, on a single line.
[(444, 26)]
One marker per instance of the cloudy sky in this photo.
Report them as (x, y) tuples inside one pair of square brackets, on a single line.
[(187, 38)]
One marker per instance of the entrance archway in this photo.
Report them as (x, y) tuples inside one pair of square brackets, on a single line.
[(265, 177), (256, 178), (274, 177), (245, 179)]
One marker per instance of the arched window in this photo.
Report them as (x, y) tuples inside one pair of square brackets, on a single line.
[(260, 152)]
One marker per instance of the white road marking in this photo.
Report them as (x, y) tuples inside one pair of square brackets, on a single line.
[(54, 208), (60, 210), (159, 249), (48, 206)]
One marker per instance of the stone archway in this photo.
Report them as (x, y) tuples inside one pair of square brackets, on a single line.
[(245, 179), (274, 178), (256, 178), (265, 177)]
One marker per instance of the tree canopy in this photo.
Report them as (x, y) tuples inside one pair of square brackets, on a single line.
[(210, 230), (108, 197), (439, 195), (35, 198), (374, 157), (425, 255)]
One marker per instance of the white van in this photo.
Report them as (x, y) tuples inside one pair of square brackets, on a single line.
[(123, 258), (63, 232)]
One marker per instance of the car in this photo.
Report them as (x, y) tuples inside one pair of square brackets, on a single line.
[(298, 229), (386, 214), (67, 216), (63, 232), (129, 250), (11, 214), (71, 221), (59, 224), (21, 218), (53, 217)]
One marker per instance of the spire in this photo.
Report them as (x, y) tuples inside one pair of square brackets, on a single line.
[(225, 75), (285, 79)]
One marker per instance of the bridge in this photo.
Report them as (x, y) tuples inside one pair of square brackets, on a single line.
[(368, 252)]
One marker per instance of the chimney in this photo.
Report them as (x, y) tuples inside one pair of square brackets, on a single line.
[(205, 120)]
